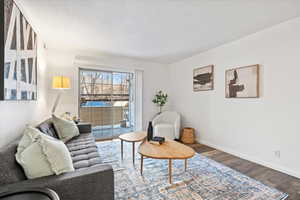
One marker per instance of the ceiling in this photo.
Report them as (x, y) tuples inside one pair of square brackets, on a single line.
[(163, 31)]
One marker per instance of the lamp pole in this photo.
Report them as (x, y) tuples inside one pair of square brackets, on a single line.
[(60, 83), (56, 102)]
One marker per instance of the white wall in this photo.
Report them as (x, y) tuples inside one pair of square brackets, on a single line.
[(16, 114), (249, 128), (64, 63)]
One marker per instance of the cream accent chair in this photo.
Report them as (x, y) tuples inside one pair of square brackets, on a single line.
[(167, 124)]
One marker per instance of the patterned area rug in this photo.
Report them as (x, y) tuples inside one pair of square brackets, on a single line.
[(205, 179)]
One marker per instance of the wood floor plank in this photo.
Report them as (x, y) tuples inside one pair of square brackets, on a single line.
[(270, 177)]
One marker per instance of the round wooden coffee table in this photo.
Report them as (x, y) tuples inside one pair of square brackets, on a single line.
[(170, 150), (132, 137)]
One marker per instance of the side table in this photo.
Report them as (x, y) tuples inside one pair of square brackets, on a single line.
[(132, 137)]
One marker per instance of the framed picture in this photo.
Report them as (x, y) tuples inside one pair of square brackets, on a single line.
[(203, 78), (18, 66), (242, 82)]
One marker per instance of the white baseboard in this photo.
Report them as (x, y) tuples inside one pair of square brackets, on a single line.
[(253, 159)]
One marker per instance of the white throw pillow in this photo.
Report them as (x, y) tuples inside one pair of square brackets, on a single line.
[(57, 155), (41, 155), (65, 129), (30, 135)]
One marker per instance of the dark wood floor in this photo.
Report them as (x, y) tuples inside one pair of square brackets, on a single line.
[(270, 177)]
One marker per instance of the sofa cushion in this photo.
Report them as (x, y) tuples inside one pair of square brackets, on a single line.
[(10, 170), (84, 151)]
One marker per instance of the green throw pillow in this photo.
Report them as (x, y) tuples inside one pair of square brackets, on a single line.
[(41, 155), (65, 129)]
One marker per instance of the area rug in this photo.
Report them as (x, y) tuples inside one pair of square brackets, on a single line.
[(205, 179)]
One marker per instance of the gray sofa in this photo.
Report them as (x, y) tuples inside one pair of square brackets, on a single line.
[(91, 180)]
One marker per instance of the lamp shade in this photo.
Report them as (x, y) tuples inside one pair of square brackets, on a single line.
[(60, 82)]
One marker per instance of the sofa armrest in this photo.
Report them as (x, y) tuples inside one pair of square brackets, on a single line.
[(45, 191), (93, 183), (84, 128)]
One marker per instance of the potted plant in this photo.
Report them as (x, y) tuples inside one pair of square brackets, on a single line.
[(160, 99)]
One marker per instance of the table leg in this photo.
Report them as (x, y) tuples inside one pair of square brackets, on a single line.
[(170, 171), (133, 153), (122, 153), (142, 164), (185, 164)]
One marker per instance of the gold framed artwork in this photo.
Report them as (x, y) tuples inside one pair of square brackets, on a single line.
[(242, 82), (203, 78)]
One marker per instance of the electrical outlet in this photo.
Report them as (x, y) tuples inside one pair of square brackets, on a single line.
[(277, 153)]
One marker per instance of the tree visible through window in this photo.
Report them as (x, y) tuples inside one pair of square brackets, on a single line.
[(105, 101)]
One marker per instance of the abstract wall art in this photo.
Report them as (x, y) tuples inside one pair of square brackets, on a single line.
[(203, 78), (18, 66), (242, 82)]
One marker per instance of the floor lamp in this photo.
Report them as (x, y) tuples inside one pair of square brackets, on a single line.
[(60, 83)]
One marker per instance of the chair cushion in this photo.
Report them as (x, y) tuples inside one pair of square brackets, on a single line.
[(164, 130), (84, 151)]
